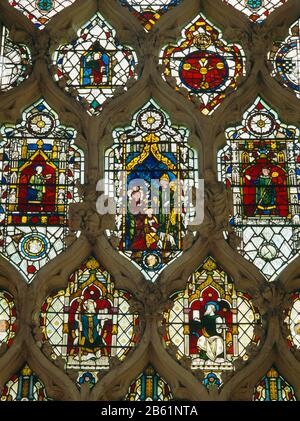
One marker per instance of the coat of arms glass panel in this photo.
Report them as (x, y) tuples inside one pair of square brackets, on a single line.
[(89, 323), (94, 65), (261, 165), (211, 322), (146, 169), (204, 64), (285, 59), (39, 168)]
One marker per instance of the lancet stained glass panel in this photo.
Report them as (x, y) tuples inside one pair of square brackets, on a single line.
[(204, 64), (273, 387), (261, 165), (256, 10), (146, 169), (149, 11), (39, 12), (89, 322), (95, 64), (285, 59), (211, 322), (7, 318), (39, 168), (15, 61), (149, 386), (24, 386)]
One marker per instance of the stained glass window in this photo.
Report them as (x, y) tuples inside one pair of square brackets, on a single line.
[(15, 61), (39, 12), (292, 320), (261, 165), (204, 64), (89, 322), (285, 58), (256, 10), (211, 322), (95, 64), (39, 168), (145, 170), (149, 386), (149, 11), (24, 386), (7, 318), (273, 387)]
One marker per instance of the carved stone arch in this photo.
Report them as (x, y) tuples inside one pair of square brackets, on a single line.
[(244, 390), (12, 282), (114, 384), (207, 137)]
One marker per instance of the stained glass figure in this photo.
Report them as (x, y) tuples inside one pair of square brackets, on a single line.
[(15, 61), (256, 10), (40, 12), (7, 318), (95, 64), (149, 11), (145, 170), (292, 320), (89, 322), (24, 386), (204, 64), (261, 165), (39, 168), (273, 387), (149, 386), (211, 322), (285, 58)]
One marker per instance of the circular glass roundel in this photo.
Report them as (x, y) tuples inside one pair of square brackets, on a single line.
[(152, 261), (203, 71), (40, 124), (151, 120), (268, 251), (45, 5), (261, 124), (33, 246)]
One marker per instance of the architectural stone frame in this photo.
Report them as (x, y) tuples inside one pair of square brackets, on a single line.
[(207, 137)]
